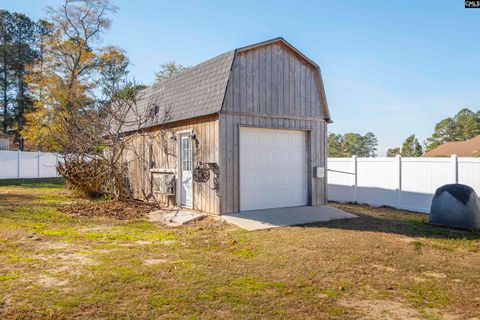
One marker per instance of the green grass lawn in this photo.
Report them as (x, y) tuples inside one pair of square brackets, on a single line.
[(387, 264)]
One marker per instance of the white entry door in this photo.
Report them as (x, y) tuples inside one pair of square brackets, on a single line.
[(186, 180), (273, 168)]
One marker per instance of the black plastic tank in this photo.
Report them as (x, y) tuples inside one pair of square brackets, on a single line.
[(456, 206)]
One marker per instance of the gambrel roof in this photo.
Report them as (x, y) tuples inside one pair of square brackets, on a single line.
[(200, 90), (196, 92)]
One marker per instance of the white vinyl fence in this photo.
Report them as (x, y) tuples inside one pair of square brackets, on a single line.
[(24, 164), (404, 183)]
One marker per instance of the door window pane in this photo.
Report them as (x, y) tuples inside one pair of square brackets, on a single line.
[(186, 154)]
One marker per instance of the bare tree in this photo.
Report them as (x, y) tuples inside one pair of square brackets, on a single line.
[(85, 107)]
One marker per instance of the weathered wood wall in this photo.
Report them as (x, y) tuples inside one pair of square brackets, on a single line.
[(152, 145), (273, 80), (271, 87)]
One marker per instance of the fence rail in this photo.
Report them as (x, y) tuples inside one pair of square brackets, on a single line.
[(404, 183), (25, 164)]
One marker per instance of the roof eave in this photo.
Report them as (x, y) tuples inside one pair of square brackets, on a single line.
[(278, 39)]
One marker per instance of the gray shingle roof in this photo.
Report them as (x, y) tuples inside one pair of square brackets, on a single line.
[(196, 92)]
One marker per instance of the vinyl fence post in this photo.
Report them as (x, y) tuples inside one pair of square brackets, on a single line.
[(18, 164), (454, 164), (38, 163), (354, 163), (398, 159)]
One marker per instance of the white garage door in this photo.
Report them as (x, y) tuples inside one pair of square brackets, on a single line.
[(273, 168)]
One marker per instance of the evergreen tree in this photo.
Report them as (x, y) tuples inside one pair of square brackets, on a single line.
[(23, 39), (392, 152), (411, 147), (334, 142), (351, 144), (6, 62), (463, 126)]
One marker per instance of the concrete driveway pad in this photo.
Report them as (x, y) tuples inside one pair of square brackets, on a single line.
[(281, 217)]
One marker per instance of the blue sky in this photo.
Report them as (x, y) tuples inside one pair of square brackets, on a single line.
[(390, 67)]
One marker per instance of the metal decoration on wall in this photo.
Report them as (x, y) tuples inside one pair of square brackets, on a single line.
[(214, 167), (201, 174), (216, 180)]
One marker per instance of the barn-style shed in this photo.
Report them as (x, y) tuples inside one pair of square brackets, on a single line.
[(245, 130)]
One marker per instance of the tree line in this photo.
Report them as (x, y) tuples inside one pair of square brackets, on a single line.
[(20, 45), (41, 61), (351, 143), (463, 126)]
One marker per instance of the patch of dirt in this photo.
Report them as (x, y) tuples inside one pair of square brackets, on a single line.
[(11, 235), (147, 242), (48, 282), (384, 268), (150, 262), (97, 228), (70, 259), (123, 210), (417, 279), (5, 302), (143, 242), (435, 275), (76, 258), (382, 309), (48, 245)]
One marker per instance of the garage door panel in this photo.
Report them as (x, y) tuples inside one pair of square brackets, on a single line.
[(248, 138), (264, 201), (281, 139), (264, 179), (282, 198), (297, 139), (249, 158), (281, 179), (297, 159), (281, 159), (265, 139), (296, 178), (297, 197), (250, 200), (273, 167), (249, 179), (264, 158)]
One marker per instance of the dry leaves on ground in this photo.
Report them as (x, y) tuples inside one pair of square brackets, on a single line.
[(116, 209)]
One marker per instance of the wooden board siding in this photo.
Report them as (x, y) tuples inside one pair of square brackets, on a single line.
[(271, 87), (204, 196), (272, 80)]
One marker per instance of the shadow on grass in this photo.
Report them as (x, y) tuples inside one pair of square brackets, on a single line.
[(34, 183), (389, 220), (16, 198)]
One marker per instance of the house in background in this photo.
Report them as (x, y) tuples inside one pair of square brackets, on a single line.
[(468, 148), (246, 130)]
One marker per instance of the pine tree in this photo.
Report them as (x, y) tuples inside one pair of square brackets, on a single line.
[(6, 61), (463, 126), (411, 147)]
